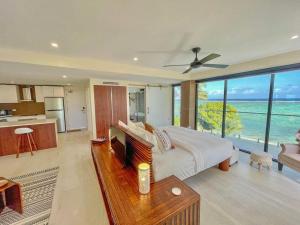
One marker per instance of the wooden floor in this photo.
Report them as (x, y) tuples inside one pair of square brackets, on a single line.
[(242, 196)]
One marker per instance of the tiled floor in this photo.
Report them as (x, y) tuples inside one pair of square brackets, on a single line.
[(242, 196), (77, 199)]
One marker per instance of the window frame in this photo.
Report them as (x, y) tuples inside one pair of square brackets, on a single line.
[(173, 95), (272, 72)]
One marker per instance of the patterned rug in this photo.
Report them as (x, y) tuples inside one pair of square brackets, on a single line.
[(38, 191)]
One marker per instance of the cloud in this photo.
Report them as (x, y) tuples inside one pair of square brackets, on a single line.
[(248, 91), (277, 90), (216, 92), (233, 91)]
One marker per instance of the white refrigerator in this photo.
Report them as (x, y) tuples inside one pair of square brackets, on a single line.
[(54, 109)]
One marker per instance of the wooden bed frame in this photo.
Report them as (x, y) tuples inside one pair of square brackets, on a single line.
[(142, 152)]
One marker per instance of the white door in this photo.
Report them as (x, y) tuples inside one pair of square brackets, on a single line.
[(159, 106), (75, 103)]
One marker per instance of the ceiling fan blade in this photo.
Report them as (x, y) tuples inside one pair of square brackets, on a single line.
[(209, 57), (219, 66), (188, 70), (176, 65)]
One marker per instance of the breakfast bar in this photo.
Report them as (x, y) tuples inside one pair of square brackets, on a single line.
[(44, 134)]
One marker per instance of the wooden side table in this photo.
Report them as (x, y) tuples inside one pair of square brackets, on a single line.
[(126, 206), (11, 196)]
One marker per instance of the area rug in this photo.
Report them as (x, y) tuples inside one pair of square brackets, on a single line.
[(38, 191)]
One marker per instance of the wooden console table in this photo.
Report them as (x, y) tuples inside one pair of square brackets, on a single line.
[(11, 196), (126, 206)]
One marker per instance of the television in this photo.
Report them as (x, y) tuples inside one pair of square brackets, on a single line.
[(121, 149)]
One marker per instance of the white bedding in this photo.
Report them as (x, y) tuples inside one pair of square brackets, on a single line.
[(194, 152), (176, 162)]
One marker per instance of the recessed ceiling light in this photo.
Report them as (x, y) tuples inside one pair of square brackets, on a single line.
[(54, 45), (64, 76), (295, 37), (135, 59)]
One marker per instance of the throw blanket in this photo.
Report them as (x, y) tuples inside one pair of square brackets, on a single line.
[(207, 149)]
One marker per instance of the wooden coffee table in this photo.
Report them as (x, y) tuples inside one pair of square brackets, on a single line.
[(11, 196)]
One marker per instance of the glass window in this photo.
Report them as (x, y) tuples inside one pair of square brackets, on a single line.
[(176, 105), (210, 98), (246, 111), (285, 117)]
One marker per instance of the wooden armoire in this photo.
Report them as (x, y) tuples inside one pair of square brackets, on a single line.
[(110, 107)]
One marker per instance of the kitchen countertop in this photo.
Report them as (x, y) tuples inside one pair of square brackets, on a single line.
[(28, 122)]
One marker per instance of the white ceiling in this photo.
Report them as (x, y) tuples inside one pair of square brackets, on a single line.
[(118, 30)]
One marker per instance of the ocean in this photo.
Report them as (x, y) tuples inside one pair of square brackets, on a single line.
[(285, 119)]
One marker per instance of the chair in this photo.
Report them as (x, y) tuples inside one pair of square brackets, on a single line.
[(26, 133), (289, 156)]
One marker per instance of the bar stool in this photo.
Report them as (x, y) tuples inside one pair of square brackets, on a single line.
[(23, 133)]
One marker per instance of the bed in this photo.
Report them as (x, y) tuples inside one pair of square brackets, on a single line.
[(193, 152)]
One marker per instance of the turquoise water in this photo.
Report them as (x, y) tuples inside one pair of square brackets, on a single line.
[(283, 127), (285, 119)]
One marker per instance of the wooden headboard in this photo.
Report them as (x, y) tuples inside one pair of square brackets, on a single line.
[(141, 150)]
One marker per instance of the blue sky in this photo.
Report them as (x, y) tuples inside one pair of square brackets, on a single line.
[(287, 85)]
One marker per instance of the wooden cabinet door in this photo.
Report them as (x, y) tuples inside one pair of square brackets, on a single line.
[(119, 104), (103, 109)]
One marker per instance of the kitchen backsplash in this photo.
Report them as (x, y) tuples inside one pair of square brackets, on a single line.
[(25, 108)]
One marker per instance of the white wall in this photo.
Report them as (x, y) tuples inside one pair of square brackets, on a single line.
[(159, 105), (76, 107)]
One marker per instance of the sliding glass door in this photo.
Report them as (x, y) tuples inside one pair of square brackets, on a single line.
[(210, 96), (246, 111), (176, 105), (285, 117), (256, 112)]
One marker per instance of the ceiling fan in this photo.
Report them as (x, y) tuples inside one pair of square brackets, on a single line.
[(202, 62)]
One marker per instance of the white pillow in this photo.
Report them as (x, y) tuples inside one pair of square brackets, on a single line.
[(140, 124), (147, 136), (163, 140), (122, 124), (131, 124)]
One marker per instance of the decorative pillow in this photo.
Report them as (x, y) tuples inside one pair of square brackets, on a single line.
[(163, 140), (146, 135), (149, 128), (172, 145)]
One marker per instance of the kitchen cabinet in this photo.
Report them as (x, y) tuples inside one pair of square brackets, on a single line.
[(8, 94), (48, 91), (39, 93), (58, 92), (52, 91)]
